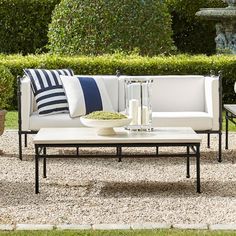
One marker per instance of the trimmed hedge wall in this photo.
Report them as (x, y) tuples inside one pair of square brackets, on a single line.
[(24, 25), (131, 65)]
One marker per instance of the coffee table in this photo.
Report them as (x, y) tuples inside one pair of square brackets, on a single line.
[(87, 137)]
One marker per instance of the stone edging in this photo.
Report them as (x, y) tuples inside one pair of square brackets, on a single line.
[(135, 226)]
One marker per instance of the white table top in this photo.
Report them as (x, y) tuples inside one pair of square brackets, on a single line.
[(89, 135), (231, 108)]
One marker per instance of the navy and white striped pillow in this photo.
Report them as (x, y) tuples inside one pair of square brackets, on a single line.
[(48, 90)]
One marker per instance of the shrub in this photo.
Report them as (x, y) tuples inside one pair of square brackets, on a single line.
[(192, 35), (24, 25), (97, 27), (6, 87), (131, 65)]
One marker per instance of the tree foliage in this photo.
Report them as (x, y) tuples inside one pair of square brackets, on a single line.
[(24, 25), (105, 26), (190, 34)]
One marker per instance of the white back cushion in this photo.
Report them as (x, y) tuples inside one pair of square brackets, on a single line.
[(176, 93), (111, 83)]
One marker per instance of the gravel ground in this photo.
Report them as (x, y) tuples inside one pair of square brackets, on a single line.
[(85, 191)]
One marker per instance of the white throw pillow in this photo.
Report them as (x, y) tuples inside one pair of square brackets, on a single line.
[(85, 94)]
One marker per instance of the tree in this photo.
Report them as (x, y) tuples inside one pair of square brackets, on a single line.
[(105, 26)]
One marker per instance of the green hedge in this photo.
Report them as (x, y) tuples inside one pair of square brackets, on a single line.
[(24, 25), (6, 87), (192, 35), (85, 27), (131, 65)]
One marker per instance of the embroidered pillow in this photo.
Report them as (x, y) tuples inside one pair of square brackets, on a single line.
[(48, 90), (85, 95)]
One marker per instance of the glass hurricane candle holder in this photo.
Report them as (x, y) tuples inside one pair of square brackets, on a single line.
[(138, 103)]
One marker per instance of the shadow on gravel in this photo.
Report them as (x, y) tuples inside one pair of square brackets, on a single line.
[(23, 193), (19, 193), (180, 189), (26, 157)]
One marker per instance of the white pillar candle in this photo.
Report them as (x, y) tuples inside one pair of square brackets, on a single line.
[(143, 115), (133, 111)]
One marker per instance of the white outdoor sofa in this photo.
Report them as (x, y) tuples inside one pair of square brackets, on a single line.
[(177, 101)]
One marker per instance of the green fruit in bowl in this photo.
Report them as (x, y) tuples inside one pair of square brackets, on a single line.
[(105, 115)]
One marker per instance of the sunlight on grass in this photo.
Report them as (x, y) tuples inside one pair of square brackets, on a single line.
[(232, 127), (11, 120)]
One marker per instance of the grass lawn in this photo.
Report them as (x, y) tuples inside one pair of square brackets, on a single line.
[(122, 233), (12, 122)]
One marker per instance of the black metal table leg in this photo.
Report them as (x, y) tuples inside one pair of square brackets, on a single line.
[(198, 168), (119, 153), (77, 151), (226, 129), (188, 164), (44, 163), (208, 140), (157, 150), (36, 170)]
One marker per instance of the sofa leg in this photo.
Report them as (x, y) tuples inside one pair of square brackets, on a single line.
[(20, 145), (25, 140), (208, 140), (220, 147), (226, 130), (44, 163), (188, 164)]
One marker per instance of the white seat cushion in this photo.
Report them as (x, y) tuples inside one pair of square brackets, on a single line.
[(196, 120), (53, 121)]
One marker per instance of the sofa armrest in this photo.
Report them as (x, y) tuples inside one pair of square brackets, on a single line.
[(26, 103), (212, 100)]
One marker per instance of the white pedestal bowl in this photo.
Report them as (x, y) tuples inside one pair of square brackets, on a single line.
[(105, 127)]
